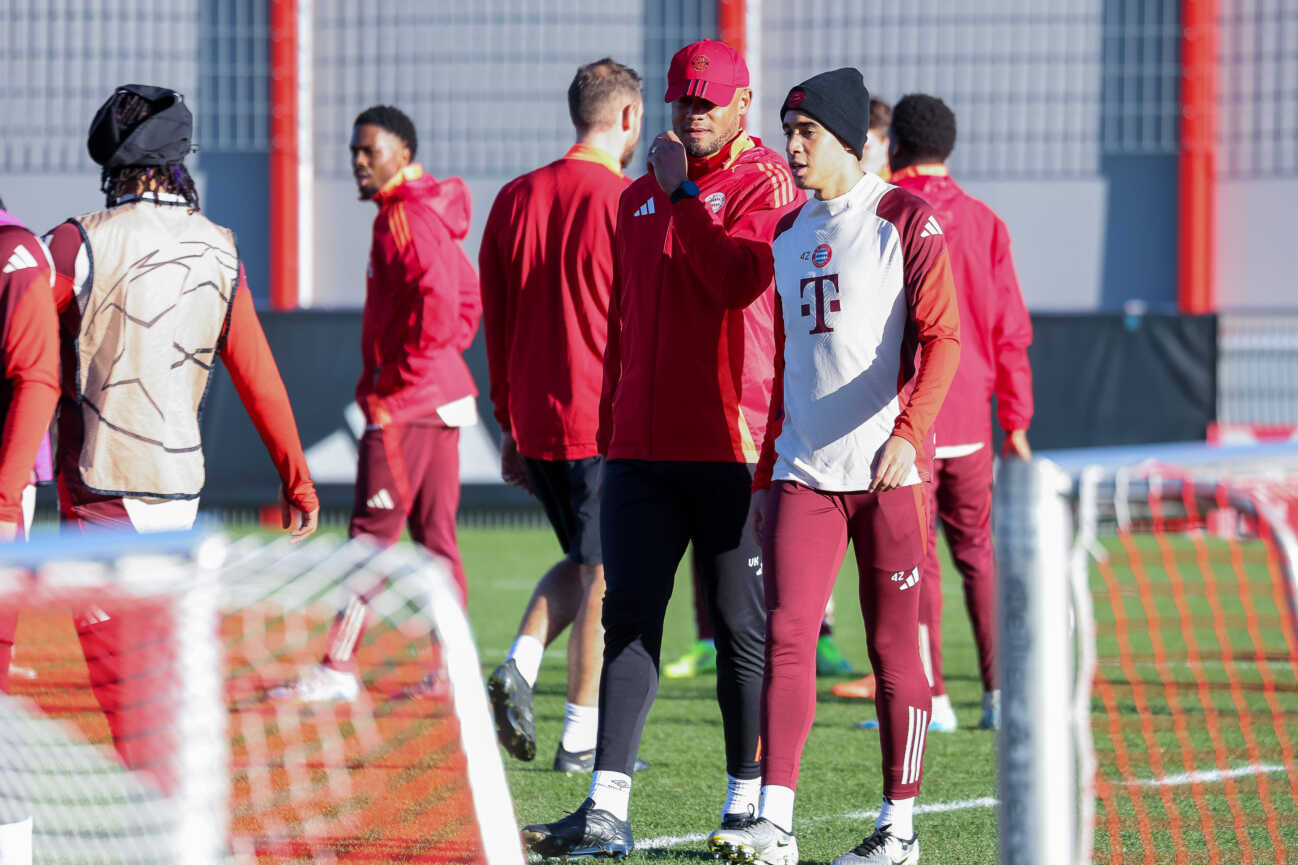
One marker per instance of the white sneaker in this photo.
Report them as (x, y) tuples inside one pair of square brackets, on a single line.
[(755, 841), (882, 848), (319, 684), (943, 718)]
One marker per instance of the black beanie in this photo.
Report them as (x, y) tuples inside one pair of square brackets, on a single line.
[(161, 137), (838, 101)]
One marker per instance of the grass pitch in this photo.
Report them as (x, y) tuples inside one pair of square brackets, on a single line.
[(678, 800), (1194, 716)]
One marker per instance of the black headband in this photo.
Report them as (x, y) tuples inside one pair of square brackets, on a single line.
[(161, 138)]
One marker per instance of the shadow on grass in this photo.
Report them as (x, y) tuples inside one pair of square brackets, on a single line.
[(675, 854)]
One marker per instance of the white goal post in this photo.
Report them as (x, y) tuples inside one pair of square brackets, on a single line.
[(256, 778), (1054, 523)]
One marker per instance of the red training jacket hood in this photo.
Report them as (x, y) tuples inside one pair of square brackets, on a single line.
[(449, 198)]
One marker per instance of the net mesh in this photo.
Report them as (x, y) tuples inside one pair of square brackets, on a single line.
[(391, 775), (1195, 686)]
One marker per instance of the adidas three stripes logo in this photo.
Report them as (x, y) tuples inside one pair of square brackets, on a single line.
[(930, 228), (380, 501), (20, 260)]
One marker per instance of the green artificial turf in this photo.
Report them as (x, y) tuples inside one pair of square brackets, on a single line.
[(681, 794)]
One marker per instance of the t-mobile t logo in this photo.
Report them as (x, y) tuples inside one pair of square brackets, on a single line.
[(819, 283)]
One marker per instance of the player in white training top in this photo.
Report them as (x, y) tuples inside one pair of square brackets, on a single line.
[(867, 337)]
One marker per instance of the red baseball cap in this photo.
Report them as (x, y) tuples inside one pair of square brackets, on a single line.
[(707, 69)]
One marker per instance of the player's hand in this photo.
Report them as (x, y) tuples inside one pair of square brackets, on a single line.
[(895, 463), (512, 469), (8, 533), (1016, 445), (299, 524), (376, 414), (667, 161), (757, 513)]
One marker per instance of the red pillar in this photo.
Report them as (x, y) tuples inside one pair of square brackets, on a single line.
[(732, 24), (732, 29), (1198, 161), (283, 155)]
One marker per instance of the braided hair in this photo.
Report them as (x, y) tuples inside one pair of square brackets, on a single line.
[(116, 183)]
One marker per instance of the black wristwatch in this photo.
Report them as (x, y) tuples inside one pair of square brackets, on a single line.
[(688, 189)]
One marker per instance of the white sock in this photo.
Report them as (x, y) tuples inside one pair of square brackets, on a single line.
[(991, 700), (900, 815), (777, 806), (611, 792), (942, 707), (526, 654), (16, 842), (741, 795), (580, 725), (332, 673)]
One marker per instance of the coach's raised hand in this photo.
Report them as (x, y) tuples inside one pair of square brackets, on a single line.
[(667, 161)]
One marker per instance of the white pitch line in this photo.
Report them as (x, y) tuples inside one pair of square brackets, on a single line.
[(671, 841), (934, 808), (1207, 776)]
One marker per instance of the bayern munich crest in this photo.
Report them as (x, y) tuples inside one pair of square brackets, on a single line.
[(821, 255), (715, 201)]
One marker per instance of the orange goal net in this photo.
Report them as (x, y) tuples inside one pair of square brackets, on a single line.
[(166, 742), (1176, 691)]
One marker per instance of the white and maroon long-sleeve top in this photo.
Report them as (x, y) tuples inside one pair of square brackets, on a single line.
[(867, 336)]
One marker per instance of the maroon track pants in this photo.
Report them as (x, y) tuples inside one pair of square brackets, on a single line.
[(960, 497), (408, 476), (806, 534)]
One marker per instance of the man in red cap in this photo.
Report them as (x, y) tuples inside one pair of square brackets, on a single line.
[(687, 380)]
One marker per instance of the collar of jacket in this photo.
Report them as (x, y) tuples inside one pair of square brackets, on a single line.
[(723, 158), (591, 153), (150, 196), (927, 169), (413, 171)]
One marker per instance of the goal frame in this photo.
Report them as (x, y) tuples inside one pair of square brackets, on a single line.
[(1047, 527)]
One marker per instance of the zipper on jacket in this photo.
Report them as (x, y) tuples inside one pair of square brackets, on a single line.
[(663, 263)]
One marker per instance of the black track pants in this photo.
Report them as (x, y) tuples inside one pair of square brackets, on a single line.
[(650, 512)]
